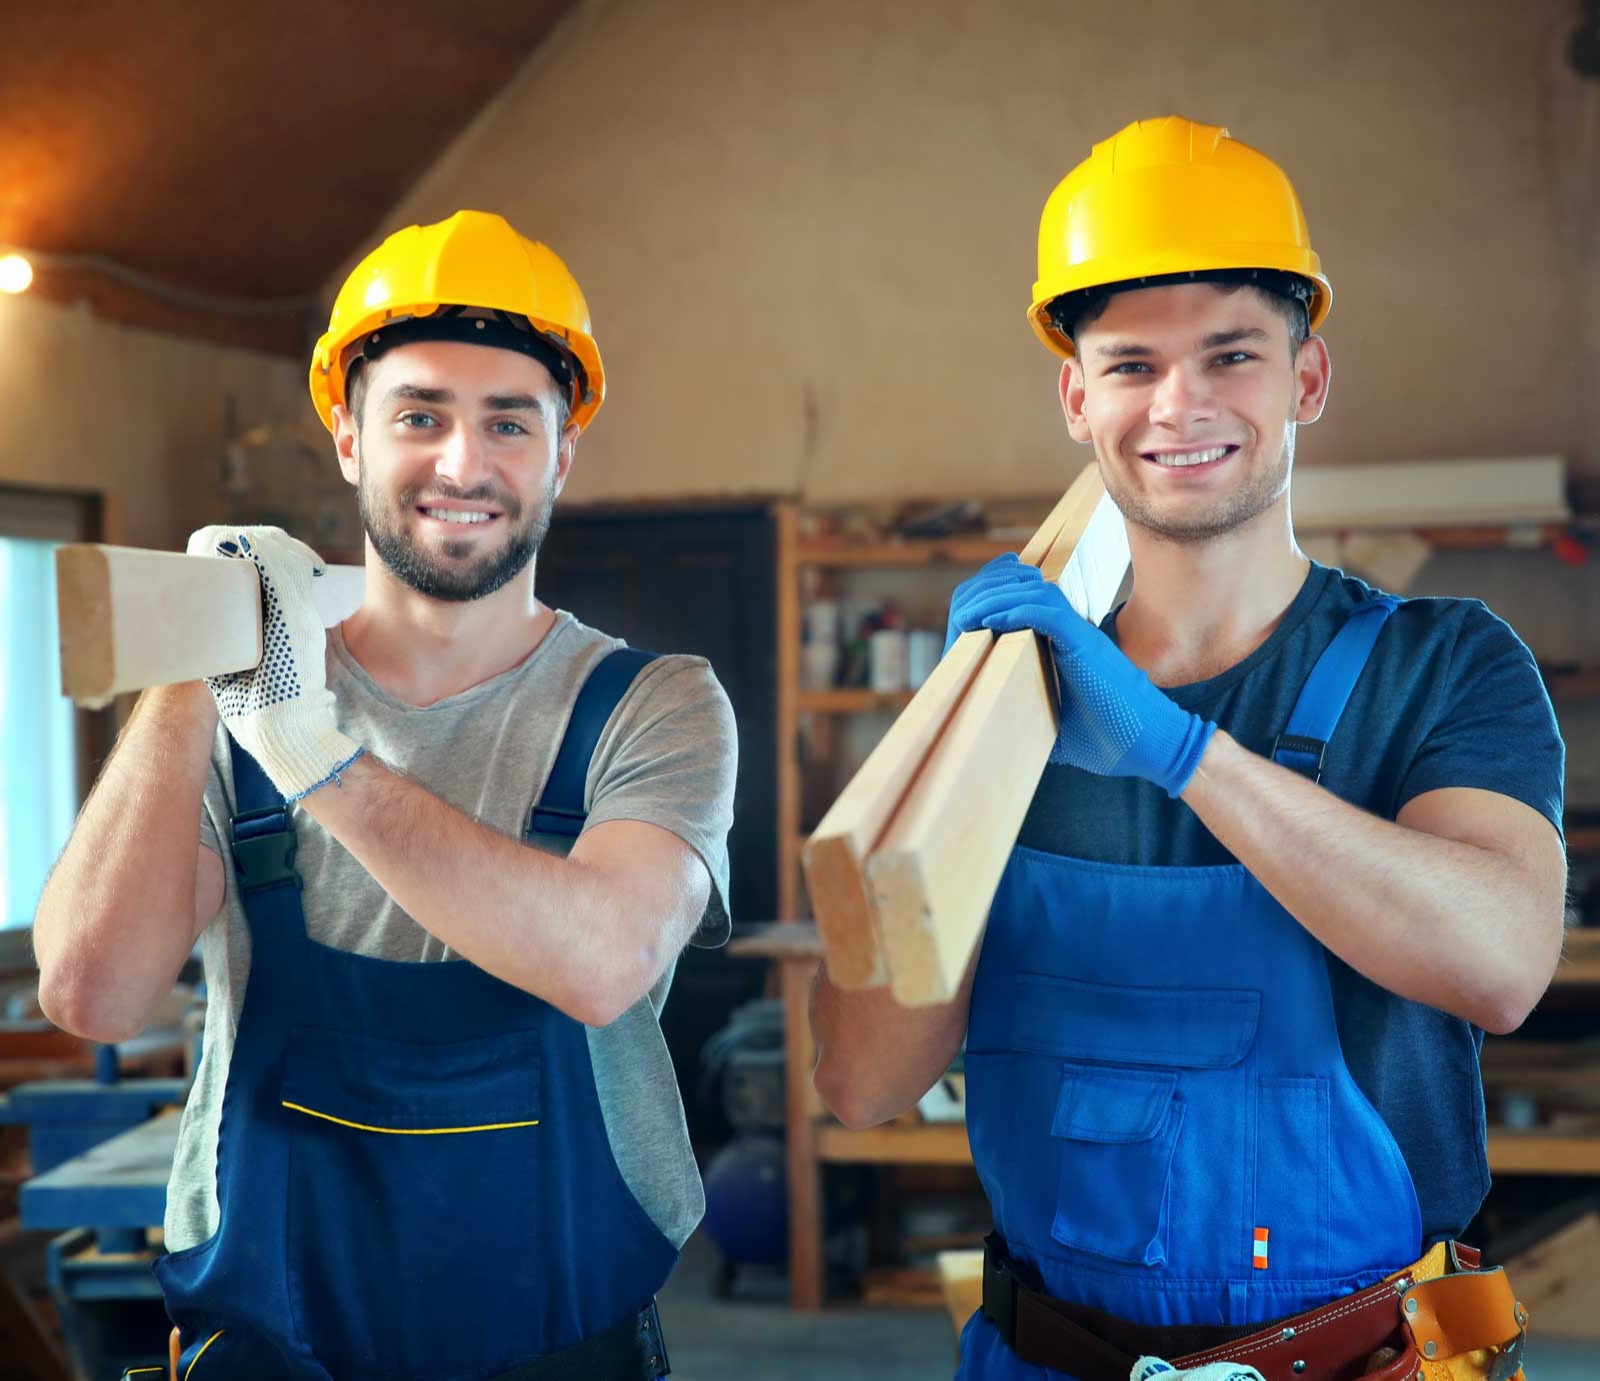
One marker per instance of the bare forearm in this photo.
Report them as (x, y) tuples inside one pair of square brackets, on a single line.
[(554, 927), (1434, 919), (875, 1058), (117, 916)]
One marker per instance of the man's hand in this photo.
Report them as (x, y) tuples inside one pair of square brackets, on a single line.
[(1114, 722), (281, 712)]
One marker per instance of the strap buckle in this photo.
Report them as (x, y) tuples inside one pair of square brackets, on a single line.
[(999, 1290), (545, 819), (1314, 748), (264, 848)]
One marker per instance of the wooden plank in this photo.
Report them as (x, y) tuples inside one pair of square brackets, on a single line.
[(835, 856), (935, 870), (131, 618)]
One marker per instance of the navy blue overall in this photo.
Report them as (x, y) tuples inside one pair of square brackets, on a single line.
[(413, 1170), (1157, 1101)]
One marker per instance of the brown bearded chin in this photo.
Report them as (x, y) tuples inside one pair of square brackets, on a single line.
[(1228, 514), (438, 574)]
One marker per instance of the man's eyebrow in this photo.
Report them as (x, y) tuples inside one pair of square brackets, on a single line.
[(1122, 352), (1254, 334), (514, 402), (417, 394)]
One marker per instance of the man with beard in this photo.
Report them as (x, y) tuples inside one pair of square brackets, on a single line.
[(435, 1132), (1297, 847)]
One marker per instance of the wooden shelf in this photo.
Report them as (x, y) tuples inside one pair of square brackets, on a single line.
[(918, 1143), (950, 551), (850, 700), (1543, 1153)]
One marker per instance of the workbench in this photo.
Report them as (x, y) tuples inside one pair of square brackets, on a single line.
[(105, 1203)]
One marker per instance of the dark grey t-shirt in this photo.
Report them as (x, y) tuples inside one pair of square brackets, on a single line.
[(667, 757), (1451, 698)]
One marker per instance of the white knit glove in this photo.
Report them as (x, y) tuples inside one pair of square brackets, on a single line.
[(281, 712), (1150, 1368)]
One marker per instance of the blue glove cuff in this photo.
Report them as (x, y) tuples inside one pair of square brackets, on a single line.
[(1186, 755)]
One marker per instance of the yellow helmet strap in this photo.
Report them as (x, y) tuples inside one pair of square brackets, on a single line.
[(497, 331), (1066, 312)]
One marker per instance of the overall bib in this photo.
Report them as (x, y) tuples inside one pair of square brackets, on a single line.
[(1157, 1101), (413, 1169)]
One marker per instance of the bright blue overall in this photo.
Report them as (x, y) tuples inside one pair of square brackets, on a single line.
[(413, 1170), (1157, 1101)]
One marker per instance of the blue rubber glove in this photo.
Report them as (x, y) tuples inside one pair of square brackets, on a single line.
[(1114, 722)]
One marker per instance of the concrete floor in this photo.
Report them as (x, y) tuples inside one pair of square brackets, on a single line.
[(760, 1340)]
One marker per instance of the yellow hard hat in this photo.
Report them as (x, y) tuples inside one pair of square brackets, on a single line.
[(472, 263), (1167, 198)]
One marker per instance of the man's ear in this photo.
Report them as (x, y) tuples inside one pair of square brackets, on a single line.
[(1072, 399), (347, 443), (1313, 372), (566, 448)]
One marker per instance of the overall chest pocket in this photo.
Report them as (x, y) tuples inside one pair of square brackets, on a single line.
[(1148, 1094), (412, 1165)]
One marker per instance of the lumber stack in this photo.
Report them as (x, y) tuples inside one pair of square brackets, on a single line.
[(903, 867), (131, 618)]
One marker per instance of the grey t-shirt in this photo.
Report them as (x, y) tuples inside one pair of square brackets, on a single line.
[(667, 757)]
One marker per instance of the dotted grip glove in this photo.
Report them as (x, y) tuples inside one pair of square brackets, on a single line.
[(281, 711)]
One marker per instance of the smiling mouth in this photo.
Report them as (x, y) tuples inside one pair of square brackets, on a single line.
[(1188, 460), (460, 517)]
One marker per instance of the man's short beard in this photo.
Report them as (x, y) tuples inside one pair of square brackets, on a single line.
[(429, 576), (1232, 512)]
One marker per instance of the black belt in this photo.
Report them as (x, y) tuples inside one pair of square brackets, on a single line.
[(632, 1351)]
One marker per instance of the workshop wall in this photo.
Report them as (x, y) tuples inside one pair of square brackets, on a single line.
[(807, 228), (89, 405)]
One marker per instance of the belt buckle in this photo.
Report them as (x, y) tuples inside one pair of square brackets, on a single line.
[(999, 1292), (1509, 1358)]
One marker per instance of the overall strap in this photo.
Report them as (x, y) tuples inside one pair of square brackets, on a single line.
[(1302, 745), (559, 810), (261, 834)]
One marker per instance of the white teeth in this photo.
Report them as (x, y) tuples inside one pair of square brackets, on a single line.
[(455, 515), (1183, 458)]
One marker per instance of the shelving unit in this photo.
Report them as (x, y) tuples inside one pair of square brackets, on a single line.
[(815, 1140)]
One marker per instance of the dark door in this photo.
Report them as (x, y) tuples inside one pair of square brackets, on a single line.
[(701, 581)]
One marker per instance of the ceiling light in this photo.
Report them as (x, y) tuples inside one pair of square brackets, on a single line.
[(15, 273)]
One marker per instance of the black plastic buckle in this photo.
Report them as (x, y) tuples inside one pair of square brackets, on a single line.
[(999, 1291), (1299, 743), (266, 859), (554, 820)]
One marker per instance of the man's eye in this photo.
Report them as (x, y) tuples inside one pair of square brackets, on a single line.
[(1129, 367), (510, 428), (418, 421), (1234, 357)]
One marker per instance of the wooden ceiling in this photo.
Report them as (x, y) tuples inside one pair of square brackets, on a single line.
[(236, 151)]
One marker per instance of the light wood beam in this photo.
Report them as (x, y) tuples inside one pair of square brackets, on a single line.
[(131, 618)]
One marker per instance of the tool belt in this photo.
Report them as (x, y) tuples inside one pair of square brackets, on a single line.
[(1440, 1319)]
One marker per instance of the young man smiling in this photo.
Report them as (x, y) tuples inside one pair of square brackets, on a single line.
[(394, 1166), (1297, 848)]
